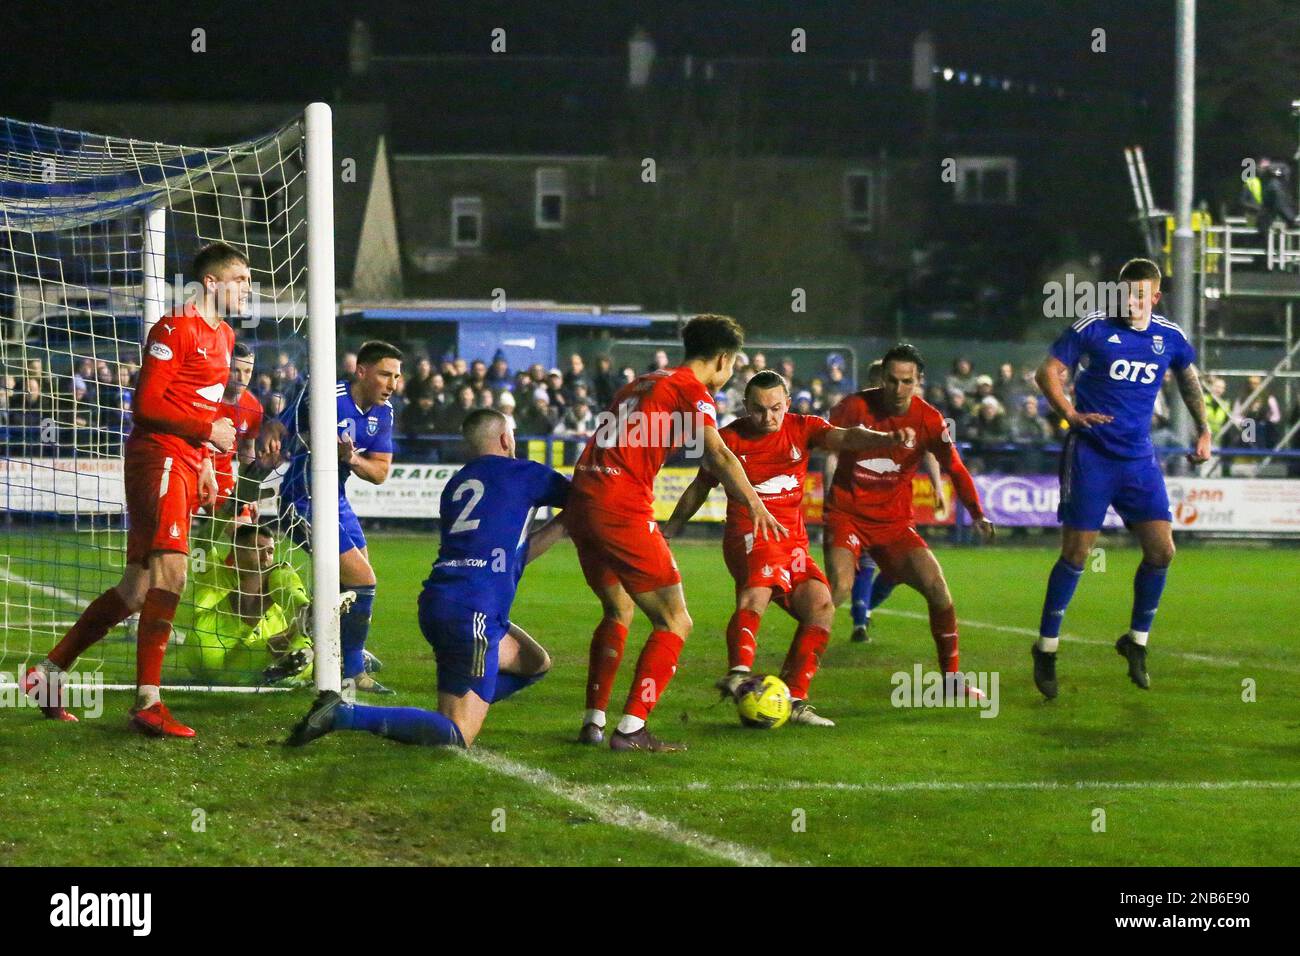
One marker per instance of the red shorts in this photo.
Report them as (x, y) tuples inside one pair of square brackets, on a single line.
[(162, 494), (621, 549), (783, 565), (888, 544)]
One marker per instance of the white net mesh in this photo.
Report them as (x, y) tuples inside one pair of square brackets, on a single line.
[(79, 216)]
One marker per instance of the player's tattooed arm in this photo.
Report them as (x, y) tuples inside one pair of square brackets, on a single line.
[(691, 501), (722, 462), (1189, 387)]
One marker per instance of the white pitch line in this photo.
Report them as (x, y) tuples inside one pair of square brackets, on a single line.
[(1072, 639), (595, 801), (915, 786)]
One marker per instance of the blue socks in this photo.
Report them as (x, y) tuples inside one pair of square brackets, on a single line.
[(1060, 588), (414, 725), (508, 684), (881, 589), (861, 608), (1148, 584), (410, 725), (353, 628)]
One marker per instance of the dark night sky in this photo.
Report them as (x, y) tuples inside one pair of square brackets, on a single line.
[(286, 49)]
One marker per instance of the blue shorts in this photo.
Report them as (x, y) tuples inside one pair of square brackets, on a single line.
[(1092, 481), (350, 534), (465, 644)]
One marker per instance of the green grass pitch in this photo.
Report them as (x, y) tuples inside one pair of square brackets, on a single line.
[(1187, 773)]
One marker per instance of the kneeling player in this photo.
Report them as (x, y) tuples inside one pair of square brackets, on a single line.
[(773, 445), (870, 499), (464, 609)]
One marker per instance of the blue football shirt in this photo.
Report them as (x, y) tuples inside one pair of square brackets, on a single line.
[(486, 511), (1122, 370), (371, 430)]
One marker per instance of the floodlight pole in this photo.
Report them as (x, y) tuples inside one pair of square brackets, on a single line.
[(1184, 158)]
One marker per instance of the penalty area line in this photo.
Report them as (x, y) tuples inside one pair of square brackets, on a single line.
[(1072, 639), (595, 801)]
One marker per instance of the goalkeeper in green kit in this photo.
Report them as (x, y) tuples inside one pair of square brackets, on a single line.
[(250, 614)]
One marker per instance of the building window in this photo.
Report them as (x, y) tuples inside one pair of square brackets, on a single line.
[(859, 189), (986, 180), (548, 213), (467, 222)]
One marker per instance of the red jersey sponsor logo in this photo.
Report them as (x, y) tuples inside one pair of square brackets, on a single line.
[(877, 485), (776, 464), (186, 364)]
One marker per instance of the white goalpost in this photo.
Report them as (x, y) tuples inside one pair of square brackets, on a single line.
[(97, 234)]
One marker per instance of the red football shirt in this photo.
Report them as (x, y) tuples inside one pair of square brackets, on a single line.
[(246, 413), (649, 418), (876, 485), (776, 464), (183, 375)]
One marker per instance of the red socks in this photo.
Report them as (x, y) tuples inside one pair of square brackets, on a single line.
[(742, 639), (943, 628), (151, 637), (654, 669), (104, 613), (602, 663), (804, 657)]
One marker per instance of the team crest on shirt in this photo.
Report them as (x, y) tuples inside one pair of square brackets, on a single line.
[(795, 454), (1158, 344), (174, 531), (372, 425)]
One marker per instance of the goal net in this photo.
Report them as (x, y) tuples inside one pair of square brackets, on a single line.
[(97, 237)]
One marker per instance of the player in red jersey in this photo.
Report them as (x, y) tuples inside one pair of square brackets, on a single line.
[(869, 505), (168, 473), (610, 517), (773, 445), (245, 411)]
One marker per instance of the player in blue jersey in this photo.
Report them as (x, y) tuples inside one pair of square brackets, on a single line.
[(464, 609), (1108, 458), (365, 449)]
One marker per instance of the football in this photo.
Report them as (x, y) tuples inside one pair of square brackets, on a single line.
[(763, 702)]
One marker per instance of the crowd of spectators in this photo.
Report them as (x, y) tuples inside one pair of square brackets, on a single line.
[(1001, 418), (433, 399), (87, 407)]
